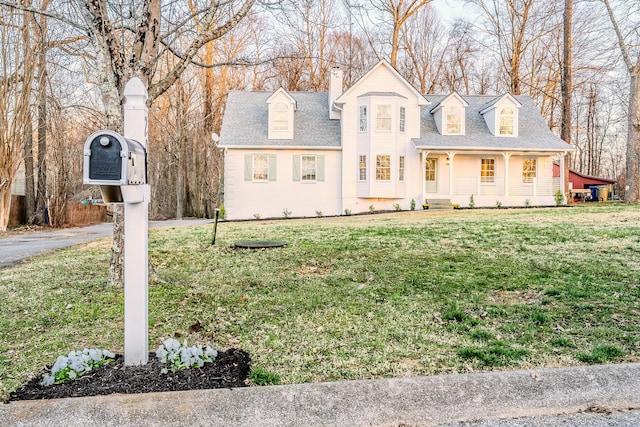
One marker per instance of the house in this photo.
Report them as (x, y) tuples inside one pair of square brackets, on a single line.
[(18, 212), (381, 143)]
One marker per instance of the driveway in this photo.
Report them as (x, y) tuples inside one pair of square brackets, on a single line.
[(14, 249)]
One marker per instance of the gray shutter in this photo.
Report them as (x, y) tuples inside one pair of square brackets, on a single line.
[(296, 167), (272, 167), (319, 168), (248, 166)]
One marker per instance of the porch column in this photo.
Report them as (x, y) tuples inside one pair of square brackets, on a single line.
[(506, 156), (451, 155), (562, 176), (423, 165)]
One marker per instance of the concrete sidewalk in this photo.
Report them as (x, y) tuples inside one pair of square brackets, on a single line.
[(413, 401)]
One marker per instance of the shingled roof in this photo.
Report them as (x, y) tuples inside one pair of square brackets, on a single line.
[(245, 122), (533, 133)]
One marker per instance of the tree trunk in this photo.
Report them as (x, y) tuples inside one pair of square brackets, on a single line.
[(567, 87), (632, 193), (41, 194), (5, 204), (30, 183)]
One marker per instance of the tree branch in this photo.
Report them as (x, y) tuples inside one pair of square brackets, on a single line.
[(38, 11)]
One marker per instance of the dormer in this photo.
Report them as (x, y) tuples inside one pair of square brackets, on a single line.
[(501, 115), (281, 109), (449, 115)]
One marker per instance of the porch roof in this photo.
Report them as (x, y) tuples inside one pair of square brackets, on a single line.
[(533, 133)]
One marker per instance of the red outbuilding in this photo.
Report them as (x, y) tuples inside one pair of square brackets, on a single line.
[(584, 187)]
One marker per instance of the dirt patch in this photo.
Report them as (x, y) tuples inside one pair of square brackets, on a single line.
[(229, 369)]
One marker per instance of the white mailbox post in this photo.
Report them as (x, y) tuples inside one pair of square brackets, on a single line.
[(136, 235)]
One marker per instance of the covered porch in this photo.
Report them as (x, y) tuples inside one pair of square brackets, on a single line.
[(506, 178)]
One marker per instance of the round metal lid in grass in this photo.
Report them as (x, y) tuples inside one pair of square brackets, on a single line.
[(259, 244)]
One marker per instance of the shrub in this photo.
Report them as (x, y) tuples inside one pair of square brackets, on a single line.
[(347, 212), (319, 214), (256, 216), (558, 197), (372, 209), (527, 203), (472, 203), (286, 213), (222, 214), (413, 204), (498, 204), (397, 207)]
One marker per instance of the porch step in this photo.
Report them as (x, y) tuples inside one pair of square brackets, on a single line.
[(439, 204)]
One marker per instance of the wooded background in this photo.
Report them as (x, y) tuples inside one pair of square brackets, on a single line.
[(64, 63)]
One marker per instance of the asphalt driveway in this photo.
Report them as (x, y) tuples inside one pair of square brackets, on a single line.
[(14, 249)]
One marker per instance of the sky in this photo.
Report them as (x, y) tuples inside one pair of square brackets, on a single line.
[(449, 10)]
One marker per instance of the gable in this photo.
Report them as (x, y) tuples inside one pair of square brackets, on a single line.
[(383, 76)]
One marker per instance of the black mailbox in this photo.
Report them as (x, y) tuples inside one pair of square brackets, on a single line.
[(113, 160)]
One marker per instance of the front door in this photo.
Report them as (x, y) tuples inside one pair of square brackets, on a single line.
[(430, 175)]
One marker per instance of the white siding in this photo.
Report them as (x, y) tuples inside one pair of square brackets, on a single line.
[(358, 196), (245, 199)]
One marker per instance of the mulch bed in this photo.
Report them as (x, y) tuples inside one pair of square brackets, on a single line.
[(229, 369)]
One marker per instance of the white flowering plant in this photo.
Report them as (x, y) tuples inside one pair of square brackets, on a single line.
[(181, 356), (76, 364)]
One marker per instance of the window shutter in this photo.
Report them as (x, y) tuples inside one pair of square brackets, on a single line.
[(296, 168), (319, 168), (248, 160), (272, 167)]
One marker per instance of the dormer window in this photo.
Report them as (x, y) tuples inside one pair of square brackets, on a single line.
[(453, 120), (501, 115), (282, 107), (449, 115), (281, 117), (506, 121)]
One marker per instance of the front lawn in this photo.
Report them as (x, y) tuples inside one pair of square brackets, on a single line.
[(406, 293)]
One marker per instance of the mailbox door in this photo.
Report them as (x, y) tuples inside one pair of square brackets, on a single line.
[(105, 162)]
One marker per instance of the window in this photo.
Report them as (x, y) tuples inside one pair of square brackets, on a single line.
[(308, 168), (529, 167), (487, 170), (260, 167), (430, 170), (363, 168), (383, 168), (506, 121), (383, 117), (403, 114), (401, 168), (280, 117), (453, 121), (363, 118)]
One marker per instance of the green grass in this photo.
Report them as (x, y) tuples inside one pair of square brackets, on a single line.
[(406, 293)]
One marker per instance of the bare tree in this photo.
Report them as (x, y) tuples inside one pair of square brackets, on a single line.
[(393, 13), (567, 47), (16, 75), (130, 42), (629, 48), (424, 40)]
